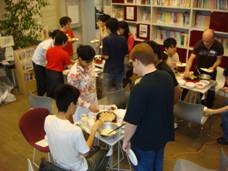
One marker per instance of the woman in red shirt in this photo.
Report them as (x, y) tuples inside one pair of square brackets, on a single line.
[(57, 58), (125, 31)]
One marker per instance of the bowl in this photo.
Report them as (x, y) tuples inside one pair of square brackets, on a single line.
[(107, 116), (108, 127)]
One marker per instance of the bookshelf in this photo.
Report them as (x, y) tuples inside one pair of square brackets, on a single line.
[(24, 70), (176, 18)]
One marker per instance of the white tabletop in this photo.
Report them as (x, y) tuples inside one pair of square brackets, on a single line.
[(202, 90)]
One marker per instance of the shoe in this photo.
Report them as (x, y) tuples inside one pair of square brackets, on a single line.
[(222, 141)]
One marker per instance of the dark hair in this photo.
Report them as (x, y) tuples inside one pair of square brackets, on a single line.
[(103, 17), (86, 52), (112, 24), (144, 53), (64, 95), (60, 38), (156, 48), (124, 25), (53, 33), (170, 42), (64, 20)]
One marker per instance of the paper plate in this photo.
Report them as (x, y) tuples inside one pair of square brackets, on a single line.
[(132, 157), (207, 70)]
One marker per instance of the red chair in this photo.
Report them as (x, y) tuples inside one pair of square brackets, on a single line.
[(32, 127)]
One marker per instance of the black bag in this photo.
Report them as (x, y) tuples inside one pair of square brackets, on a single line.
[(48, 166)]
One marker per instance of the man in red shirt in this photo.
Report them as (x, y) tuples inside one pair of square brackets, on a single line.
[(65, 23), (57, 58)]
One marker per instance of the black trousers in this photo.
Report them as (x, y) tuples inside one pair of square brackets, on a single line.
[(40, 75), (54, 79)]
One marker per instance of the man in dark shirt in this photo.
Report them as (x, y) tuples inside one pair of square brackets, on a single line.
[(162, 65), (208, 54), (149, 116), (114, 50)]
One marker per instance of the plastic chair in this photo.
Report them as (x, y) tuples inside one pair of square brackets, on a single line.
[(220, 79), (185, 165), (31, 125), (190, 112), (40, 101)]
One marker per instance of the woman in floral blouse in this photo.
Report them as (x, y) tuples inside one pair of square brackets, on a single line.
[(82, 76)]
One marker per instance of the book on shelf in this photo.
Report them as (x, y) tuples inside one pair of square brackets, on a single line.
[(173, 3), (202, 21), (211, 4), (144, 15), (181, 37), (178, 18)]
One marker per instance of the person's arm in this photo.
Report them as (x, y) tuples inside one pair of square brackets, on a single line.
[(217, 63), (129, 131), (209, 111), (177, 94), (189, 65), (93, 131), (131, 43)]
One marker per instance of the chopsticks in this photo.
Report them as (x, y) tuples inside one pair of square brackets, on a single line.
[(116, 128)]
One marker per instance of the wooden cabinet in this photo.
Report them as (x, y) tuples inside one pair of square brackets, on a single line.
[(24, 70)]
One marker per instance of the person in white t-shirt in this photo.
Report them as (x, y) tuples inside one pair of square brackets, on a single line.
[(171, 51), (39, 62), (67, 144)]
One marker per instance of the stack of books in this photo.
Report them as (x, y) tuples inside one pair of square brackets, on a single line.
[(174, 3), (202, 21), (181, 37), (212, 4), (177, 18)]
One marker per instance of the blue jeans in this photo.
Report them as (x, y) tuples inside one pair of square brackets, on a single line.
[(225, 123), (149, 160)]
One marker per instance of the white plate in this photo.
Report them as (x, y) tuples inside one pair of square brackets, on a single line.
[(190, 84), (132, 157), (207, 70)]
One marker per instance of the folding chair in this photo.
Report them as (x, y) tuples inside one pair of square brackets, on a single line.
[(40, 101)]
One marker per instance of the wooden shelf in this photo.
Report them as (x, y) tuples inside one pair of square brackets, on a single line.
[(170, 26), (131, 4), (209, 10)]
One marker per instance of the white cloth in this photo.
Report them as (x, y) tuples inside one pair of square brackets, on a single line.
[(66, 143), (39, 55), (173, 60)]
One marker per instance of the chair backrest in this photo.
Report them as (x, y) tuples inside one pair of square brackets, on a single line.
[(223, 161), (220, 78), (190, 112), (30, 168), (40, 101), (31, 124)]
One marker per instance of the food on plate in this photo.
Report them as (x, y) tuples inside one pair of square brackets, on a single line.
[(192, 77), (107, 132), (107, 116), (207, 70), (98, 59)]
